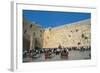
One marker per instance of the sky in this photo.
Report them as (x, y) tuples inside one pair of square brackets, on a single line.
[(54, 18)]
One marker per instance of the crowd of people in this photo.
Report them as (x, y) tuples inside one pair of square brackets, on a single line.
[(49, 51)]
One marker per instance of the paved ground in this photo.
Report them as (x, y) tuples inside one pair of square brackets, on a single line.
[(73, 55)]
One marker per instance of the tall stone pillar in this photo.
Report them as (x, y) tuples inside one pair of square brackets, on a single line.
[(32, 43)]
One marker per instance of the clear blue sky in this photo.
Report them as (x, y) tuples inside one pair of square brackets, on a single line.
[(53, 18)]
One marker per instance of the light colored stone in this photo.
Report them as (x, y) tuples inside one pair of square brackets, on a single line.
[(67, 35)]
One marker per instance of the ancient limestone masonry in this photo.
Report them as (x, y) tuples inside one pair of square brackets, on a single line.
[(75, 34)]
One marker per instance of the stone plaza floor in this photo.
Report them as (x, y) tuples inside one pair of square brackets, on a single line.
[(72, 55)]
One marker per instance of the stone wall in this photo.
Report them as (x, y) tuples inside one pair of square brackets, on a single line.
[(68, 35), (33, 33)]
